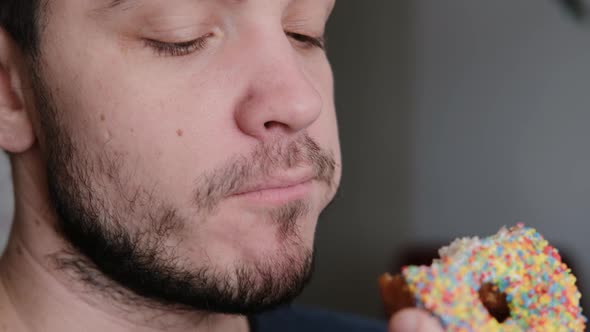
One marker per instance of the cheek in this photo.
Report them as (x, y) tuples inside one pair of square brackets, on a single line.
[(172, 139), (162, 134)]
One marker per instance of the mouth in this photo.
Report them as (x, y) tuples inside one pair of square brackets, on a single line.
[(277, 190)]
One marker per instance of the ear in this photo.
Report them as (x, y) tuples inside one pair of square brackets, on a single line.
[(16, 129)]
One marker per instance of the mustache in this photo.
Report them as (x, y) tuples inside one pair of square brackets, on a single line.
[(266, 159)]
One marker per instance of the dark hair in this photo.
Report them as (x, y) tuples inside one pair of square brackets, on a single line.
[(20, 19)]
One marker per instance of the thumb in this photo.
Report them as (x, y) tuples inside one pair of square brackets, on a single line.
[(414, 320)]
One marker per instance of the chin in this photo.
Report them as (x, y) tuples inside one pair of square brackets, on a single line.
[(248, 236)]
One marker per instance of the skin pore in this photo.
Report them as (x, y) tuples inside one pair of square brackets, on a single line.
[(135, 135)]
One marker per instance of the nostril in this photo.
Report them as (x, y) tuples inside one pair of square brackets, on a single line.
[(494, 301), (274, 125)]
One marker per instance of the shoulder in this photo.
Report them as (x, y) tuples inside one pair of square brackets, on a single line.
[(298, 319)]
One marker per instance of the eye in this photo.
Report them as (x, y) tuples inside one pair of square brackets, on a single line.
[(163, 48), (308, 41)]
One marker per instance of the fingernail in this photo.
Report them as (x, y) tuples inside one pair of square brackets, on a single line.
[(405, 322)]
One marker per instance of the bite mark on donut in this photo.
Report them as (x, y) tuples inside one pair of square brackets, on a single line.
[(396, 293)]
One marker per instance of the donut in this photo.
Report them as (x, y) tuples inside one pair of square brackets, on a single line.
[(512, 281)]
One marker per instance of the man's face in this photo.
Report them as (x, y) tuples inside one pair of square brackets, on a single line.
[(156, 115)]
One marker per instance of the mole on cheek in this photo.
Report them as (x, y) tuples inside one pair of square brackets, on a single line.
[(102, 117), (179, 132)]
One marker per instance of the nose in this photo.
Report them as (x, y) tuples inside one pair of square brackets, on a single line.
[(280, 98)]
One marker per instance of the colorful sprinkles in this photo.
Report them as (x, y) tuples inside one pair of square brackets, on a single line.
[(540, 289)]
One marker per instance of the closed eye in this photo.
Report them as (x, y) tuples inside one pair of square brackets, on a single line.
[(308, 41), (163, 48), (183, 48)]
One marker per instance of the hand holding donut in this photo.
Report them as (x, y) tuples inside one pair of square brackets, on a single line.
[(414, 320), (511, 282)]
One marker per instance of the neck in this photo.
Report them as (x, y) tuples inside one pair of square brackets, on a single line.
[(36, 294)]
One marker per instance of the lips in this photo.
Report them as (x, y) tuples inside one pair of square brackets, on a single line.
[(284, 181), (276, 190)]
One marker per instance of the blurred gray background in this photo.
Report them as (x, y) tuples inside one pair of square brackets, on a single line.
[(457, 117)]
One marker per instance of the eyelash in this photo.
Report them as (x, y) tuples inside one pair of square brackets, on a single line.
[(309, 41), (178, 49), (185, 48)]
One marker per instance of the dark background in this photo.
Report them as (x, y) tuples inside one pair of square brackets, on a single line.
[(457, 117)]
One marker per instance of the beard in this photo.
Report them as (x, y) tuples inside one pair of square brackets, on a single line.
[(122, 238)]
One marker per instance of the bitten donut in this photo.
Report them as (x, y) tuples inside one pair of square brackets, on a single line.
[(512, 281)]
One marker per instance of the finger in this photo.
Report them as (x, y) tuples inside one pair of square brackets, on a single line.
[(414, 320)]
